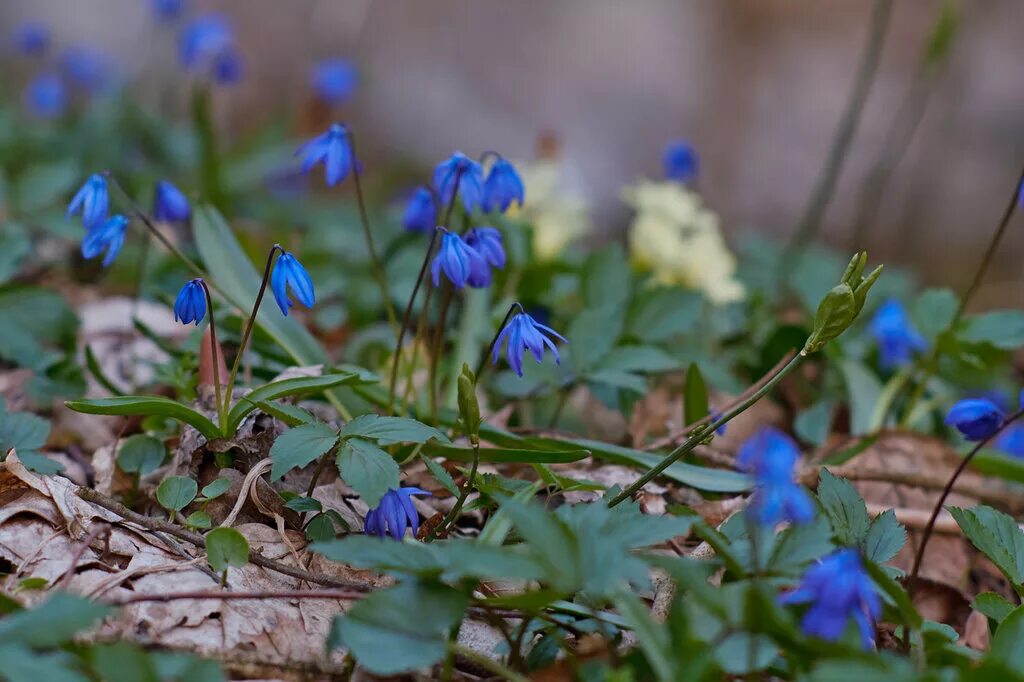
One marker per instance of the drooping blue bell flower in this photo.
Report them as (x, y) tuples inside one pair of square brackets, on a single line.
[(680, 161), (976, 418), (203, 41), (46, 96), (289, 273), (896, 337), (190, 306), (487, 241), (108, 237), (457, 260), (420, 213), (92, 200), (228, 67), (838, 589), (333, 149), (32, 38), (463, 174), (334, 80), (87, 69), (502, 187), (1011, 439), (167, 11), (770, 456), (394, 514), (170, 204), (525, 333)]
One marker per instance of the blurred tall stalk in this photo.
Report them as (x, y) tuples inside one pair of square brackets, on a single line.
[(209, 168)]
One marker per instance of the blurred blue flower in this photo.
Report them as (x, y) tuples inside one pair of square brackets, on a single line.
[(190, 306), (457, 259), (502, 187), (487, 242), (524, 333), (228, 67), (288, 272), (394, 514), (897, 339), (420, 213), (715, 416), (87, 68), (838, 589), (170, 204), (770, 456), (206, 44), (333, 149), (463, 174), (334, 80), (45, 95), (680, 161), (976, 418), (1011, 440), (91, 200), (31, 38), (167, 10), (107, 236)]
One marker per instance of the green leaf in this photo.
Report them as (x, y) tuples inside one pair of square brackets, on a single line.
[(21, 664), (122, 662), (1001, 328), (814, 424), (606, 278), (147, 406), (226, 547), (844, 508), (652, 637), (199, 519), (297, 386), (39, 326), (215, 488), (933, 311), (368, 469), (93, 364), (836, 312), (943, 33), (885, 538), (695, 396), (389, 430), (596, 330), (742, 653), (299, 446), (997, 536), (1005, 647), (863, 389), (175, 492), (896, 594), (638, 359), (536, 456), (52, 623), (384, 639), (320, 529), (663, 313), (140, 455), (992, 605), (14, 246), (22, 431), (292, 415), (304, 504), (440, 475), (798, 545)]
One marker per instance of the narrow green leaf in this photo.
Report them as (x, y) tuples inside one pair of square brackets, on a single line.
[(652, 637), (695, 396), (538, 456), (389, 430), (863, 389), (175, 492), (93, 364), (226, 547), (896, 593), (299, 446), (368, 469), (147, 406), (297, 386), (292, 415)]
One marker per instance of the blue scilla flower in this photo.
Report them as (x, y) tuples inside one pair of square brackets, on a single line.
[(680, 161), (91, 200), (46, 96), (289, 273), (167, 10), (228, 67), (333, 149), (502, 187), (461, 173), (770, 456), (31, 38), (838, 589), (457, 260), (203, 39), (525, 333), (190, 306), (394, 514), (107, 236), (170, 204), (420, 213), (334, 80), (976, 418), (87, 68), (896, 337), (487, 241), (1011, 440)]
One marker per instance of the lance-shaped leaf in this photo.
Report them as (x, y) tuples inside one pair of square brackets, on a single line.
[(297, 386), (147, 406)]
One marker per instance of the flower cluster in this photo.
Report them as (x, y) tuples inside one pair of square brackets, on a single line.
[(770, 456), (394, 514), (206, 45)]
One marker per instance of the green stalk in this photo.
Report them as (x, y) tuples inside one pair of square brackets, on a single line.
[(474, 316), (209, 171)]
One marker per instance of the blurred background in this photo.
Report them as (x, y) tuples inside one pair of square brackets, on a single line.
[(759, 88)]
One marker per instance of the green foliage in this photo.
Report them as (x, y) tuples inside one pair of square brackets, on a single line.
[(176, 492), (879, 539), (140, 455), (299, 446), (390, 430), (695, 396), (367, 468), (25, 433), (997, 536), (226, 547), (147, 406)]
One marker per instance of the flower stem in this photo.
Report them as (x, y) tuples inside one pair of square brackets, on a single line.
[(490, 347), (451, 517), (698, 436), (487, 663), (215, 355), (437, 346)]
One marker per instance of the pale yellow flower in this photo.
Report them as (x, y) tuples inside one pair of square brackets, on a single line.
[(558, 216)]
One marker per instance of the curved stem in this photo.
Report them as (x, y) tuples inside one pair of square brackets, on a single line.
[(450, 518), (490, 347), (697, 437), (222, 412), (487, 663)]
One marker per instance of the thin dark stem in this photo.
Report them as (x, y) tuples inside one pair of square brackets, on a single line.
[(237, 596), (810, 221), (420, 339), (222, 409), (435, 354), (375, 262), (320, 466), (453, 515), (490, 347)]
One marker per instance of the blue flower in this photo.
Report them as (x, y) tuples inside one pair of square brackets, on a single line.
[(167, 10), (170, 204), (976, 418), (897, 339), (463, 174), (333, 149), (1011, 440), (334, 80), (838, 588), (715, 416), (525, 333), (394, 514), (228, 67), (190, 306), (486, 241), (420, 213), (770, 456), (288, 272), (107, 236), (45, 95), (502, 187), (680, 161), (86, 68), (457, 259), (32, 38), (204, 40), (92, 200)]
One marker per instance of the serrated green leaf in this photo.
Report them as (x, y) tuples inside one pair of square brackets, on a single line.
[(845, 509), (296, 386), (997, 536), (175, 492), (440, 475), (885, 538), (140, 455), (226, 547), (299, 446), (695, 396), (368, 469), (147, 406), (389, 430)]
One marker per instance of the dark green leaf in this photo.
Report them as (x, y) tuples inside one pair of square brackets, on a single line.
[(1006, 643), (606, 278), (1001, 328), (216, 488), (21, 430), (140, 455), (836, 312), (844, 508), (304, 504), (596, 330), (863, 389), (21, 664), (199, 519), (299, 446), (895, 593), (175, 492), (320, 529), (652, 637), (695, 396), (297, 386), (743, 653), (368, 469), (799, 545), (933, 311), (992, 605), (997, 536), (389, 430), (660, 314), (292, 415), (537, 456), (226, 547), (93, 363), (885, 538), (440, 475), (146, 406), (51, 623), (14, 246), (814, 424)]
